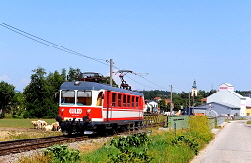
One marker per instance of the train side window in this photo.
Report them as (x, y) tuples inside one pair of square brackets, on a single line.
[(137, 102), (129, 101), (84, 98), (114, 96), (124, 100), (119, 100), (67, 97), (133, 102)]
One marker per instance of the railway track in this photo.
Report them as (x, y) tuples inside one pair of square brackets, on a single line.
[(23, 145)]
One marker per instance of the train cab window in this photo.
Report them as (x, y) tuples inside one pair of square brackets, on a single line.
[(67, 97), (99, 99), (124, 100), (84, 98)]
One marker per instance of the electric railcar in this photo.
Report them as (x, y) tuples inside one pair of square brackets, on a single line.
[(89, 107)]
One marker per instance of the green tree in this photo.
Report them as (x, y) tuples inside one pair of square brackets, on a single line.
[(162, 104), (55, 80), (17, 105), (178, 102), (40, 94), (63, 74), (107, 81), (73, 74), (6, 96)]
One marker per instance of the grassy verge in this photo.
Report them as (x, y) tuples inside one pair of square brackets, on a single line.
[(164, 146), (20, 123), (11, 129), (248, 122), (13, 135)]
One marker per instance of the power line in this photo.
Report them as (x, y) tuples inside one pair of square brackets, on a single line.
[(45, 42), (29, 34), (67, 50), (25, 35), (153, 83), (140, 83)]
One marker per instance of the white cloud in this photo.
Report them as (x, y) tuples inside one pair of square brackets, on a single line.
[(4, 78)]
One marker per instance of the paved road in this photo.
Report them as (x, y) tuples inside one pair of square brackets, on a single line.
[(231, 145)]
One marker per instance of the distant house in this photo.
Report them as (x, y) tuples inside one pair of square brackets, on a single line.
[(151, 107), (157, 98), (204, 100), (168, 102)]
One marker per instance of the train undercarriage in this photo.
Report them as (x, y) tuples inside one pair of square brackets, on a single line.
[(70, 127)]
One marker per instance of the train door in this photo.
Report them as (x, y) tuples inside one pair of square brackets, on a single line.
[(114, 105), (108, 105), (137, 106)]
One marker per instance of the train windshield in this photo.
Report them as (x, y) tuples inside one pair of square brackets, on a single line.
[(67, 97), (84, 98)]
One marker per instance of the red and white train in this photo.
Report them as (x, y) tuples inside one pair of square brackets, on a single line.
[(88, 107)]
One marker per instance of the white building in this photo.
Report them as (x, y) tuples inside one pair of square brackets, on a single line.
[(151, 106), (227, 95)]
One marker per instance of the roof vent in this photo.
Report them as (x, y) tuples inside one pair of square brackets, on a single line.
[(76, 83)]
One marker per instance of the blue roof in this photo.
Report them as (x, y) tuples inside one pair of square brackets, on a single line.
[(94, 86), (205, 106)]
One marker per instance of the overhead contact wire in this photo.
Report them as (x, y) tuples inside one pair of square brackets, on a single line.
[(62, 48), (53, 44)]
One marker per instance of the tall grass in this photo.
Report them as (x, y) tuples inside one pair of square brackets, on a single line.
[(99, 155)]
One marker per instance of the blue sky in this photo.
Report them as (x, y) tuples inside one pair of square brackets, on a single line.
[(174, 41)]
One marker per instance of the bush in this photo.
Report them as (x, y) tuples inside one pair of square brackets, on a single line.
[(128, 149), (26, 114), (62, 154), (199, 129), (191, 143)]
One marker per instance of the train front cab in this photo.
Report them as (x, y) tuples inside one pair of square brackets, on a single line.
[(79, 110)]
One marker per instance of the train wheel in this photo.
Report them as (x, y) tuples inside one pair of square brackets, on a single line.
[(115, 128)]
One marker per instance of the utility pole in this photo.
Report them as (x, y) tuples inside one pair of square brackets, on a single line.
[(189, 103), (171, 99), (111, 63)]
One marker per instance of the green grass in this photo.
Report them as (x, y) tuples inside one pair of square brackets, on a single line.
[(31, 135), (100, 155), (248, 122), (12, 129), (164, 145), (21, 123)]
